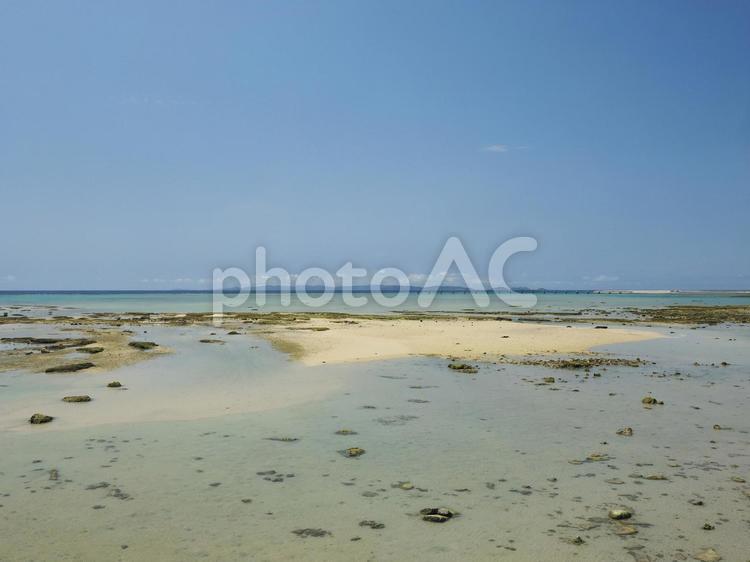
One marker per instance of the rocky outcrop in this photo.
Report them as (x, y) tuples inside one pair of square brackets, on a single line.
[(77, 398), (70, 368)]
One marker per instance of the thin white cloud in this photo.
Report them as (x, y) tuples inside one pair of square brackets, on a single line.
[(9, 278), (601, 278), (155, 100), (496, 148), (503, 148)]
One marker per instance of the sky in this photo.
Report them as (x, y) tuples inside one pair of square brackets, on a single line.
[(145, 143)]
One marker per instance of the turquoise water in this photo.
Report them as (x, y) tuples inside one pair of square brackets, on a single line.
[(455, 302)]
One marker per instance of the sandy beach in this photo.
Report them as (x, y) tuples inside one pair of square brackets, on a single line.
[(342, 341)]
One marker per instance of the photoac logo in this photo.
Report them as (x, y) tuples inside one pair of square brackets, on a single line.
[(389, 287)]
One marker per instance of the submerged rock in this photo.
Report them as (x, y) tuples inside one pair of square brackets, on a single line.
[(346, 432), (625, 431), (40, 418), (119, 494), (708, 555), (625, 530), (80, 398), (114, 384), (575, 540), (352, 452), (304, 533), (70, 368), (650, 400), (598, 457), (372, 524)]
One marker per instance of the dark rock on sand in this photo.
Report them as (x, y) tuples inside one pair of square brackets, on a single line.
[(70, 368), (80, 398), (346, 432), (40, 418), (53, 343), (144, 345), (463, 368), (372, 524), (650, 400)]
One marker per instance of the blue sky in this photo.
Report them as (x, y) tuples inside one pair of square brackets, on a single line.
[(144, 143)]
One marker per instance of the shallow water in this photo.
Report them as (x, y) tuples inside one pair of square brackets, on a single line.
[(495, 447)]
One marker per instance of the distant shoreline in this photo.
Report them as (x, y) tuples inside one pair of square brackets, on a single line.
[(385, 289)]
